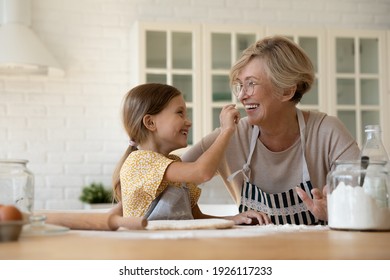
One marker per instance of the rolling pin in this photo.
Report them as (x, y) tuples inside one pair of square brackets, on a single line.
[(109, 221)]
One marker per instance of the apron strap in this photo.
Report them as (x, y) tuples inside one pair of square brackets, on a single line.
[(302, 128), (246, 167)]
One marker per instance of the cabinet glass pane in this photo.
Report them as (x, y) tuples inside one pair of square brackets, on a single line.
[(221, 89), (345, 62), (369, 56), (244, 41), (221, 51), (184, 84), (346, 92), (156, 49), (156, 78), (216, 112), (190, 140), (369, 92), (311, 97), (369, 118), (349, 120), (182, 50), (310, 45)]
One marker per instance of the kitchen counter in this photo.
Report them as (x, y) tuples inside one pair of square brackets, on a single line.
[(238, 243)]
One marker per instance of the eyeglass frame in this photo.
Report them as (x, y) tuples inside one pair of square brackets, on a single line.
[(249, 84)]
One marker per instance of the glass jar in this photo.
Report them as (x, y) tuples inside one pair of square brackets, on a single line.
[(17, 188), (17, 185), (358, 196)]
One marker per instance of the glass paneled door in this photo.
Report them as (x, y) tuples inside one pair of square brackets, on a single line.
[(223, 47), (358, 99), (170, 54), (312, 42)]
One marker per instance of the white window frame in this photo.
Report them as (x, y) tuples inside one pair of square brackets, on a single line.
[(332, 77)]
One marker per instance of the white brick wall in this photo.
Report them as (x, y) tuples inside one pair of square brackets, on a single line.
[(69, 128)]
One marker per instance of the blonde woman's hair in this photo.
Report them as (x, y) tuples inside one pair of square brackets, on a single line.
[(287, 64), (145, 99)]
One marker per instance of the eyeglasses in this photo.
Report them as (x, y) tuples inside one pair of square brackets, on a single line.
[(247, 86)]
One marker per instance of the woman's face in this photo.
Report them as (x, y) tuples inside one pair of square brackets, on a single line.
[(262, 104)]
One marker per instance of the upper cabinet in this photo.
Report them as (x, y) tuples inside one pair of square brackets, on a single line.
[(313, 42), (357, 79), (349, 69), (169, 54), (223, 45)]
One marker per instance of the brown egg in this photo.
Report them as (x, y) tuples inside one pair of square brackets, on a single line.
[(10, 213)]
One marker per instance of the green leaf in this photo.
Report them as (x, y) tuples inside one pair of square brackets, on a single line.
[(96, 193)]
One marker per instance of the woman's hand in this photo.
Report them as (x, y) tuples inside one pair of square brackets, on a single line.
[(318, 205), (250, 217)]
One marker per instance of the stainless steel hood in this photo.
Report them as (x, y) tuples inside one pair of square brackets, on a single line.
[(21, 51)]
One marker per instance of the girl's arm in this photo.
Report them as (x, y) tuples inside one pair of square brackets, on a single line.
[(205, 167)]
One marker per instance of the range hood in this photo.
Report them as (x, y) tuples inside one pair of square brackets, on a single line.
[(21, 51)]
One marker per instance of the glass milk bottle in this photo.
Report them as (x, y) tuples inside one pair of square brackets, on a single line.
[(373, 147)]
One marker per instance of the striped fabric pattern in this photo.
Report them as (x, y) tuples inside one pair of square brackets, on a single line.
[(282, 208)]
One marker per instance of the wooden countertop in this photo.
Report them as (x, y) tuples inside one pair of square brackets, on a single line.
[(302, 245)]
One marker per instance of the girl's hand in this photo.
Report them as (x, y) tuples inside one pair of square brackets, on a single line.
[(318, 205), (229, 117), (250, 217)]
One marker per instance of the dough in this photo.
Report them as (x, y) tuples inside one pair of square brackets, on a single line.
[(189, 224)]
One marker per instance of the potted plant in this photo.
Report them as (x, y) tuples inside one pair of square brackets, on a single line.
[(96, 196)]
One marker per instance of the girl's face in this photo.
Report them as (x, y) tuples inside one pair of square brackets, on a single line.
[(172, 126), (260, 102)]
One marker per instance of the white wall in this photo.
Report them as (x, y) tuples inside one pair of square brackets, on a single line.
[(69, 128)]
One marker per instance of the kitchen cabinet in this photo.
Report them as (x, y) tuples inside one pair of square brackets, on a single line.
[(350, 69), (313, 42), (357, 79), (170, 54), (222, 47), (349, 72)]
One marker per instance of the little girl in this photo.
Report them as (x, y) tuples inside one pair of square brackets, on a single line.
[(149, 181)]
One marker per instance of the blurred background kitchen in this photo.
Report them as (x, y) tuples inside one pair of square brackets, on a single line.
[(65, 119)]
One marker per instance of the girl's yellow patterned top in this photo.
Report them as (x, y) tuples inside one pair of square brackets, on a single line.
[(141, 178)]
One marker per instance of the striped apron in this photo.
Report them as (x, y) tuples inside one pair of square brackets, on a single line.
[(282, 208)]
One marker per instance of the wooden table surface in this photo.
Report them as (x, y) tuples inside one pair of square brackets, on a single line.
[(87, 245)]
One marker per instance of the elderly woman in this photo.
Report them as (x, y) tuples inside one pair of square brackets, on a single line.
[(276, 163)]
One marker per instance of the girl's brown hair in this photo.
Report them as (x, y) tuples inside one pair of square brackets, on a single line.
[(145, 99)]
